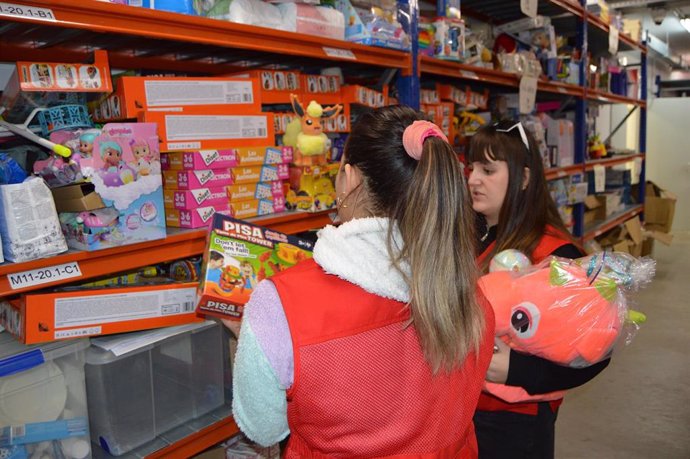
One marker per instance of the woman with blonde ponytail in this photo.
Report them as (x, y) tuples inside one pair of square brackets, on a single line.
[(379, 345)]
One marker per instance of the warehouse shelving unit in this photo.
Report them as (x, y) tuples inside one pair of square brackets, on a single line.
[(137, 38)]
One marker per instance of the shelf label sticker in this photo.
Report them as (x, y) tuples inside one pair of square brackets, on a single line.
[(599, 178), (469, 75), (528, 94), (613, 40), (198, 92), (43, 275), (529, 7), (78, 332), (27, 12), (339, 53)]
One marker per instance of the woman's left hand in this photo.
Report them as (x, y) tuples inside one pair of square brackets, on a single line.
[(498, 368), (233, 325)]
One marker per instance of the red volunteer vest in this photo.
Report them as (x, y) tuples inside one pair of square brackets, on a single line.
[(361, 384), (487, 402)]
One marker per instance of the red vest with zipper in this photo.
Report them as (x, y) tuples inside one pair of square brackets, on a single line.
[(487, 402), (361, 384)]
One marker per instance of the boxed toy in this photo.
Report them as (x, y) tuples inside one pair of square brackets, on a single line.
[(134, 94), (312, 187), (189, 180), (67, 314), (46, 84), (202, 197), (275, 85), (126, 173), (231, 157), (201, 216), (238, 255), (373, 26), (202, 128)]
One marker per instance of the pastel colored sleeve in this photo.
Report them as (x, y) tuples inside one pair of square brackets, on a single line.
[(263, 368)]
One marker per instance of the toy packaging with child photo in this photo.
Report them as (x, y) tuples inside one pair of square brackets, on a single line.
[(238, 255)]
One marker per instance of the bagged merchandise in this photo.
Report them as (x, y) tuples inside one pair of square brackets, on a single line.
[(312, 20), (29, 223), (571, 312)]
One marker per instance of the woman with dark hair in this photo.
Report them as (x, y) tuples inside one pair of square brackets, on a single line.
[(377, 346), (516, 211)]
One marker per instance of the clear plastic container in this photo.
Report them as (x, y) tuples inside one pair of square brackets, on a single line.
[(159, 380), (43, 399)]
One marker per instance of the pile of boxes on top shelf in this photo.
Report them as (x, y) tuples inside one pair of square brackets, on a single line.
[(372, 22)]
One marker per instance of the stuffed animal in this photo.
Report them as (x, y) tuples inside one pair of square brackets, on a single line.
[(570, 312), (306, 135)]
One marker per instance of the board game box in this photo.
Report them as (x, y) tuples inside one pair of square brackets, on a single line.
[(238, 256)]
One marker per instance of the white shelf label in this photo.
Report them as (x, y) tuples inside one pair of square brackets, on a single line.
[(43, 275), (78, 332), (29, 12), (339, 53), (613, 40), (529, 7), (528, 94), (599, 178)]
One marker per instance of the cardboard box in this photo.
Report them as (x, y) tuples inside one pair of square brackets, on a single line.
[(41, 317), (231, 157), (238, 255), (46, 84), (125, 171), (203, 197), (214, 178), (200, 128), (134, 94), (201, 216), (275, 86), (77, 198), (659, 208)]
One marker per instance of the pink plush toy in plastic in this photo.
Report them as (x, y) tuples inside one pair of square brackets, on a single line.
[(557, 312)]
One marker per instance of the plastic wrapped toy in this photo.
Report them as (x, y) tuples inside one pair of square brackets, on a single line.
[(571, 312)]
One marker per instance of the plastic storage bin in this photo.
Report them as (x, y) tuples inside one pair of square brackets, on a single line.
[(43, 400), (142, 384)]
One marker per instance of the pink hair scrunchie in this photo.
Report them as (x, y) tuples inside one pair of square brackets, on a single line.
[(415, 134)]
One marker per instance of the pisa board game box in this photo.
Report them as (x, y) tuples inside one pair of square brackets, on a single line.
[(238, 256)]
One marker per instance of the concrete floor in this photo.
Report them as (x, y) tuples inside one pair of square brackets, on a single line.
[(639, 407)]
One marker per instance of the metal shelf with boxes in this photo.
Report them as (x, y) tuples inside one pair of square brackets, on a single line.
[(136, 38)]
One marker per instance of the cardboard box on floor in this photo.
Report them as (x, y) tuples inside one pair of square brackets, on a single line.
[(659, 208), (633, 239)]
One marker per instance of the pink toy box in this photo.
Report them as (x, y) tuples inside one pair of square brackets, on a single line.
[(202, 216), (124, 167), (219, 159), (203, 197), (212, 178)]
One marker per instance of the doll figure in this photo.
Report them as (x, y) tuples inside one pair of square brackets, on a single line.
[(115, 172), (86, 144), (142, 158)]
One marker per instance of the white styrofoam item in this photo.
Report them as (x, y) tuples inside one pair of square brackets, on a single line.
[(29, 223)]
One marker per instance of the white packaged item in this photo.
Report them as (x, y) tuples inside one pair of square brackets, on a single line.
[(43, 399), (313, 20), (29, 223), (255, 12)]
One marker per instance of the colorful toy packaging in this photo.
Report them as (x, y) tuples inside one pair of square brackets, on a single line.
[(571, 312), (238, 255), (124, 166)]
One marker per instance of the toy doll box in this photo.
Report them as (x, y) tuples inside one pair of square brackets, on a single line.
[(126, 173), (134, 94), (238, 255), (204, 128), (202, 216), (53, 316)]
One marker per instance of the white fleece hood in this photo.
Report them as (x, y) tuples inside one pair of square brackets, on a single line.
[(356, 252)]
